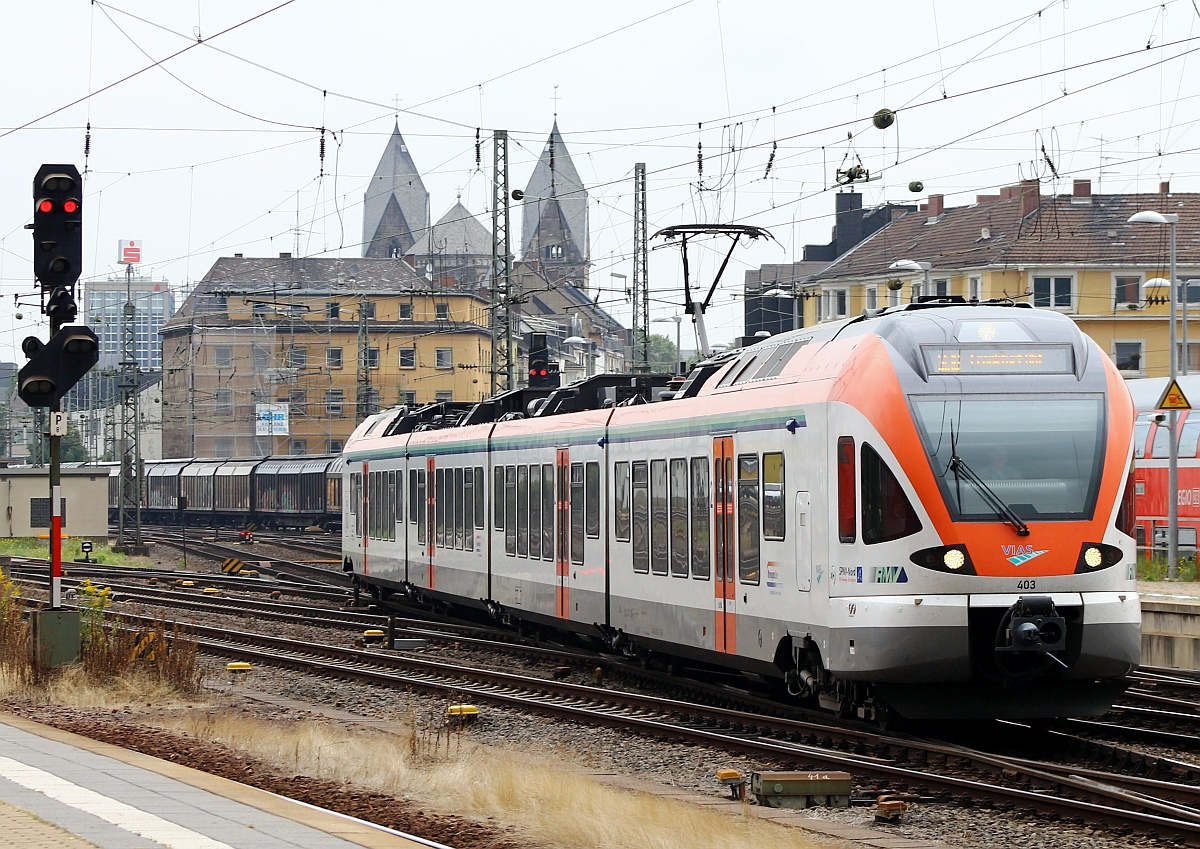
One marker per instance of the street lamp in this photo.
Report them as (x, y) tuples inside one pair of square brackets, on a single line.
[(1150, 217), (913, 265), (678, 351), (589, 361)]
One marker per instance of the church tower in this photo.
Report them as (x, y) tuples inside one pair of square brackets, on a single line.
[(396, 205), (554, 217)]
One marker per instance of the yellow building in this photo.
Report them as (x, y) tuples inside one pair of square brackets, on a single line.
[(1074, 253), (285, 355)]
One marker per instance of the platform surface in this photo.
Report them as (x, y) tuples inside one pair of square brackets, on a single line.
[(62, 791)]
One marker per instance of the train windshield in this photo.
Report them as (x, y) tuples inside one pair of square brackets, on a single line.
[(1037, 457)]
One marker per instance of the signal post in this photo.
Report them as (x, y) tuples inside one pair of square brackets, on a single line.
[(55, 366)]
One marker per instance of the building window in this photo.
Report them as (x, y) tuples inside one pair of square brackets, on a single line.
[(1053, 292), (872, 294), (333, 310), (262, 357), (1127, 290), (408, 358), (443, 395), (406, 312), (334, 399), (1128, 356), (408, 397), (372, 358), (941, 287), (333, 357), (299, 447), (445, 358), (298, 401), (893, 297), (297, 357), (335, 446), (1188, 291), (223, 356), (836, 303), (975, 288), (442, 311), (224, 402), (367, 308)]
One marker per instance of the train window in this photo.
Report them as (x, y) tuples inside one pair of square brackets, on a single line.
[(479, 501), (701, 536), (1140, 431), (1127, 513), (460, 508), (395, 503), (774, 516), (439, 502), (355, 502), (887, 513), (679, 517), (1161, 446), (522, 511), (412, 496), (498, 498), (578, 505), (847, 530), (1189, 438), (468, 509), (621, 515), (659, 520), (592, 483), (548, 511), (422, 507), (641, 517), (535, 511), (749, 510), (510, 510)]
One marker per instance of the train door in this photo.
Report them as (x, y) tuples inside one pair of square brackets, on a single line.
[(432, 527), (726, 533), (803, 536), (364, 514), (562, 548)]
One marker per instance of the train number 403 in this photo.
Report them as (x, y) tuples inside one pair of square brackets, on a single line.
[(1027, 584)]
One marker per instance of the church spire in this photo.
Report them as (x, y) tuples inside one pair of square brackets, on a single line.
[(396, 205), (554, 217)]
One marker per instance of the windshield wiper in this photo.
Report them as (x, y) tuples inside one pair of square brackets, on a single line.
[(959, 466)]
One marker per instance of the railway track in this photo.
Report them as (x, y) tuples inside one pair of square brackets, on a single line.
[(935, 772)]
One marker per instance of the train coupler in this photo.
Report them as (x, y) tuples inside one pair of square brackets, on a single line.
[(1034, 627)]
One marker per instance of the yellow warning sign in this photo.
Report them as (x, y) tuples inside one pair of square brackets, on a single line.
[(1173, 398), (232, 566)]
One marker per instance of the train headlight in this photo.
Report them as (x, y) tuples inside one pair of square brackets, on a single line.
[(1094, 556), (952, 559)]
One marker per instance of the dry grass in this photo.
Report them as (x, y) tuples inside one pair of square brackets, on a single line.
[(546, 801)]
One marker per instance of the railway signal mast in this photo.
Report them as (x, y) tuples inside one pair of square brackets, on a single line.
[(57, 365)]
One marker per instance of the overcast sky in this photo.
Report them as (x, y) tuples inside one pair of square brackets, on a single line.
[(206, 117)]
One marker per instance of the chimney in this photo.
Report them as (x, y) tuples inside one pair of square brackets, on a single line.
[(1030, 196), (936, 205), (1083, 189), (986, 198), (1164, 188), (1007, 192)]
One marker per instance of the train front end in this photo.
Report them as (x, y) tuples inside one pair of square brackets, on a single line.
[(1010, 578)]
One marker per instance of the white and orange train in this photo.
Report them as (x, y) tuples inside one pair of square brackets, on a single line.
[(923, 511)]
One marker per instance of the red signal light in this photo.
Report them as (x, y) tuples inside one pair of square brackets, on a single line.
[(46, 205), (70, 206)]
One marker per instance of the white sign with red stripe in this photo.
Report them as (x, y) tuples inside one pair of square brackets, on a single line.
[(129, 251)]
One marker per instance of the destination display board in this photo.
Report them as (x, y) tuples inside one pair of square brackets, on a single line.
[(999, 359)]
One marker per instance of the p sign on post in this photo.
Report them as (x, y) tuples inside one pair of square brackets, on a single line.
[(129, 251)]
